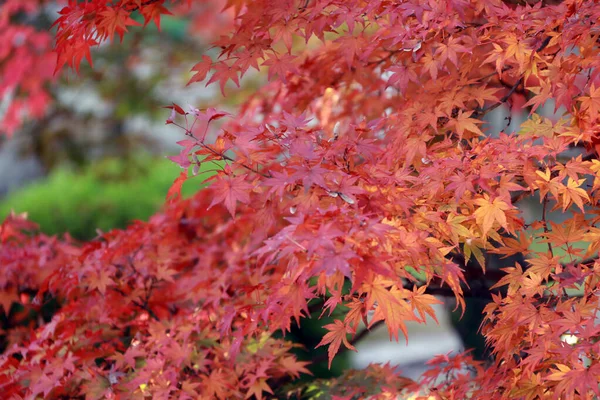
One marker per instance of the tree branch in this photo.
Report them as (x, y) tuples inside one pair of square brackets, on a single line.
[(143, 4), (545, 222), (513, 88)]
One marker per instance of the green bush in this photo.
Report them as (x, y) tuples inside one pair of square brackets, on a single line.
[(107, 195)]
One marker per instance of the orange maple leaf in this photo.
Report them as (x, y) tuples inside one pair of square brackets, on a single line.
[(335, 337), (257, 389), (463, 123), (422, 302), (490, 211)]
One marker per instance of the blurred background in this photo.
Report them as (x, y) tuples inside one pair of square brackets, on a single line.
[(96, 160)]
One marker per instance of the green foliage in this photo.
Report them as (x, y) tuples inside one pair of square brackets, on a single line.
[(107, 195)]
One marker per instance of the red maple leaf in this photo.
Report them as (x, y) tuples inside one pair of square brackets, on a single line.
[(201, 68), (114, 20), (174, 192), (229, 190)]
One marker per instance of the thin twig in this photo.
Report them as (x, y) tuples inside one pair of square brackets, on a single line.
[(143, 4), (545, 222), (485, 110), (364, 333)]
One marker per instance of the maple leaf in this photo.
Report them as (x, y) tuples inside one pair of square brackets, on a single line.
[(489, 212), (223, 73), (115, 20), (542, 94), (284, 30), (294, 367), (229, 190), (460, 184), (401, 77), (483, 93), (391, 306), (462, 123), (573, 168), (337, 335), (8, 296), (517, 49), (102, 280), (73, 53), (163, 272), (257, 389), (591, 103), (333, 260), (310, 175), (355, 314), (153, 12), (278, 182), (280, 66), (575, 381), (573, 193), (349, 47), (201, 69), (513, 276), (431, 65), (532, 284), (422, 302), (514, 246), (564, 234), (537, 126), (44, 384), (473, 247), (449, 50), (543, 265), (174, 192), (216, 384), (455, 222)]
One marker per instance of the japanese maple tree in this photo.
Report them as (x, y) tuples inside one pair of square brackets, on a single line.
[(361, 181)]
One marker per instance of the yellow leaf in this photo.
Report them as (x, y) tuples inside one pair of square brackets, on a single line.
[(537, 126), (545, 175), (470, 247), (456, 227), (572, 193), (490, 212)]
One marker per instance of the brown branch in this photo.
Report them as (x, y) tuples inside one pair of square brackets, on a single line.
[(223, 156), (144, 307), (357, 338), (384, 59), (545, 222), (468, 293), (365, 332), (304, 6), (589, 157), (485, 110), (544, 44), (143, 4), (513, 88)]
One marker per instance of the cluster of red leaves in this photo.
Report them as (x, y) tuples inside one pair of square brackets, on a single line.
[(28, 57), (82, 25), (359, 176), (156, 304), (26, 63)]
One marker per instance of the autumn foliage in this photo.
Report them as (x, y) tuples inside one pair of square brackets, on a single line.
[(363, 178)]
